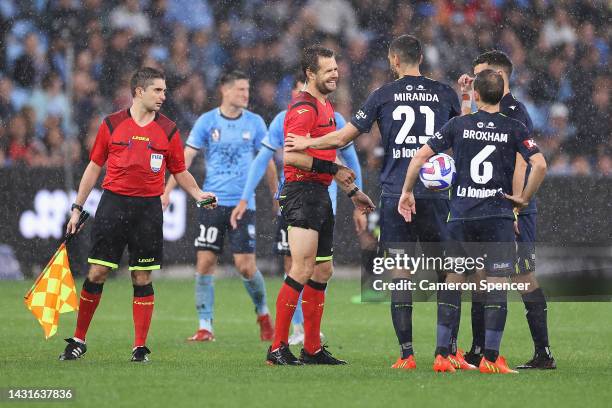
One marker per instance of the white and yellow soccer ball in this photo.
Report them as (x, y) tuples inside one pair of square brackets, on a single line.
[(438, 173)]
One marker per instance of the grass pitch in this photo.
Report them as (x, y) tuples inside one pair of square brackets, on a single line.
[(231, 371)]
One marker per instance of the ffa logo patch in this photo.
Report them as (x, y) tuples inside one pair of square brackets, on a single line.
[(215, 135), (156, 162)]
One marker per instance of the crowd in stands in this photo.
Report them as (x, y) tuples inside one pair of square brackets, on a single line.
[(64, 64)]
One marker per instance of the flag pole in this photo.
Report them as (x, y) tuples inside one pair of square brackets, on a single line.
[(67, 238)]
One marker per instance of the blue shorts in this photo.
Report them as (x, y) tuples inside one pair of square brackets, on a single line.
[(215, 223), (526, 251), (491, 239), (428, 226)]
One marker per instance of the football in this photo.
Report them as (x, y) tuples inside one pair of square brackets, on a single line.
[(438, 173)]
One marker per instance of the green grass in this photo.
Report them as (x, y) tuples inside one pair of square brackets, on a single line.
[(231, 371)]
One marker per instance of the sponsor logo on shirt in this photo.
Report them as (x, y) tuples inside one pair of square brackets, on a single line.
[(140, 138), (215, 135), (246, 135), (530, 144), (300, 111)]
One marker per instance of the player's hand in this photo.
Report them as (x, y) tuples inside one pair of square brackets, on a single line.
[(362, 202), (165, 201), (237, 213), (407, 206), (296, 143), (345, 176), (203, 195), (517, 200), (516, 226), (465, 83), (360, 220), (73, 221)]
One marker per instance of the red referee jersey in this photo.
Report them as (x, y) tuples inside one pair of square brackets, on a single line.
[(136, 157), (306, 115)]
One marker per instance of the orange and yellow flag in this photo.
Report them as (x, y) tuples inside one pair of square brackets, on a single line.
[(53, 292)]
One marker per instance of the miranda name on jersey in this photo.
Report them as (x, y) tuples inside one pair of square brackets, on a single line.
[(486, 136), (415, 97)]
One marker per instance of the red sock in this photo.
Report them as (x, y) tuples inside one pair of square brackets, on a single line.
[(142, 310), (313, 301), (90, 298), (286, 302)]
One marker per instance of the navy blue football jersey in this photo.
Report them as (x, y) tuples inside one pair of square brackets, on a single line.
[(514, 109), (485, 146), (408, 111)]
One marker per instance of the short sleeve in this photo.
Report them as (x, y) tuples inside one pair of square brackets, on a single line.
[(340, 121), (443, 139), (366, 116), (275, 138), (455, 109), (99, 152), (199, 135), (301, 119), (261, 131), (175, 161), (525, 145)]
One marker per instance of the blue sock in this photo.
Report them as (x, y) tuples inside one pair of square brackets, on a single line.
[(256, 288), (298, 316), (205, 300), (496, 310)]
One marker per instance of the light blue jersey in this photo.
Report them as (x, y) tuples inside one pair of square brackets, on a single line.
[(275, 140), (229, 148)]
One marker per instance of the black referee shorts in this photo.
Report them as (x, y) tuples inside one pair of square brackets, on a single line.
[(133, 221), (307, 205)]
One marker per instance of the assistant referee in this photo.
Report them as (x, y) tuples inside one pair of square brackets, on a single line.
[(137, 145)]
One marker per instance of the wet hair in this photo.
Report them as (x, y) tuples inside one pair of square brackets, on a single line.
[(495, 58), (231, 76), (143, 77), (408, 48), (311, 55), (490, 86)]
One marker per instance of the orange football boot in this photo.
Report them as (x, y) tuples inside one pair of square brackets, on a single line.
[(458, 361), (405, 363), (443, 365), (498, 367)]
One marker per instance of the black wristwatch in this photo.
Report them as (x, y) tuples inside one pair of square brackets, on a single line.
[(76, 206), (353, 192)]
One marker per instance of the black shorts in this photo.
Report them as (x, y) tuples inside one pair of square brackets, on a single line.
[(133, 221), (307, 205), (216, 222), (491, 239), (281, 243), (428, 226), (525, 244)]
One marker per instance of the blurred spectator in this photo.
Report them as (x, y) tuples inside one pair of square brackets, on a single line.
[(23, 147), (31, 65), (128, 16), (51, 100), (581, 166), (604, 165)]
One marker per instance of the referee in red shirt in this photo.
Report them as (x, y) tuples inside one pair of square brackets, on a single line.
[(138, 145)]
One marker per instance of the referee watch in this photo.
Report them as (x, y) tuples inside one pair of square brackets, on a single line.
[(77, 207)]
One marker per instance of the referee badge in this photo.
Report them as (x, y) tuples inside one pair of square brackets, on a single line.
[(156, 162)]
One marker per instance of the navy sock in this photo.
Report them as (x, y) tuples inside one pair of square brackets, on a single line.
[(401, 315), (536, 311), (455, 332), (448, 307), (478, 321), (496, 311)]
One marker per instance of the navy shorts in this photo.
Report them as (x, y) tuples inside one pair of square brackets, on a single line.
[(491, 239), (428, 226), (525, 241), (215, 223), (281, 243)]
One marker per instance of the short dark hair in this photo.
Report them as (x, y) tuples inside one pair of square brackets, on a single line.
[(311, 55), (143, 78), (490, 86), (298, 77), (408, 48), (495, 58), (231, 76)]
